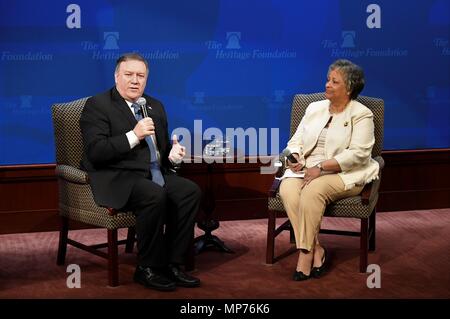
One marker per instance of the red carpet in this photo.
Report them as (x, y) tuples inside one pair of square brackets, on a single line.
[(412, 251)]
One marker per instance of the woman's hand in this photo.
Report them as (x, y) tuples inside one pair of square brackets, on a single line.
[(310, 174), (295, 167)]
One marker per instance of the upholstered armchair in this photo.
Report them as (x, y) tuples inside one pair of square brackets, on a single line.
[(76, 202), (362, 207)]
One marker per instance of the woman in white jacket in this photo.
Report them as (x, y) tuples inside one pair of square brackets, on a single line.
[(333, 146)]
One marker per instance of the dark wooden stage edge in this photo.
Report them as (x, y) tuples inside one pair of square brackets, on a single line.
[(412, 180), (415, 179)]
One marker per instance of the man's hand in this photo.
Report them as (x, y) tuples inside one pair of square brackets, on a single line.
[(144, 127), (177, 152)]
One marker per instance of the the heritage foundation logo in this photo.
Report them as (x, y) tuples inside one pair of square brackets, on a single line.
[(442, 45), (200, 101), (276, 100), (109, 49), (233, 39), (26, 56), (347, 47), (233, 48)]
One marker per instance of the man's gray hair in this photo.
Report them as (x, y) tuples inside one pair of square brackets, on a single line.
[(130, 56)]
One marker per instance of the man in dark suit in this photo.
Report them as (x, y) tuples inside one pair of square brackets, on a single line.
[(130, 162)]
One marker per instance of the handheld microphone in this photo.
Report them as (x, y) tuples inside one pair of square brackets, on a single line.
[(287, 153), (141, 102)]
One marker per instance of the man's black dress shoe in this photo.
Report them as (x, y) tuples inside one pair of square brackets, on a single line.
[(181, 278), (300, 276), (317, 272), (149, 278)]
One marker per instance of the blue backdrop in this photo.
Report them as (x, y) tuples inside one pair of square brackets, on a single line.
[(234, 63)]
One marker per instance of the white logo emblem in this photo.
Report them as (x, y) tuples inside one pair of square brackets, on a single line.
[(233, 40), (110, 40), (348, 39)]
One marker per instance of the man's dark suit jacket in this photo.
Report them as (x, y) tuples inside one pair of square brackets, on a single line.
[(112, 166)]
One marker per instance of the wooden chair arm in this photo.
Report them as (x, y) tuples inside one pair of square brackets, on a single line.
[(380, 161), (365, 194), (370, 189)]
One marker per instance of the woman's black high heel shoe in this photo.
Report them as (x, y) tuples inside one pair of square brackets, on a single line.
[(317, 272), (300, 276)]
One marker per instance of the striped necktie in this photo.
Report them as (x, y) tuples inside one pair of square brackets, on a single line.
[(155, 169)]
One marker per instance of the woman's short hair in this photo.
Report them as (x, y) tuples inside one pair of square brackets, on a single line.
[(353, 76), (130, 56)]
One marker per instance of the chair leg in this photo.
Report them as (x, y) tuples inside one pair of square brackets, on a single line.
[(130, 240), (363, 245), (113, 264), (270, 248), (372, 230), (62, 246)]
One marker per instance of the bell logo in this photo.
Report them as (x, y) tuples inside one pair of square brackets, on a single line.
[(233, 40), (348, 39), (110, 40), (73, 21)]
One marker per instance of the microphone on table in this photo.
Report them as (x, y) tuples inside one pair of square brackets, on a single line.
[(287, 153)]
